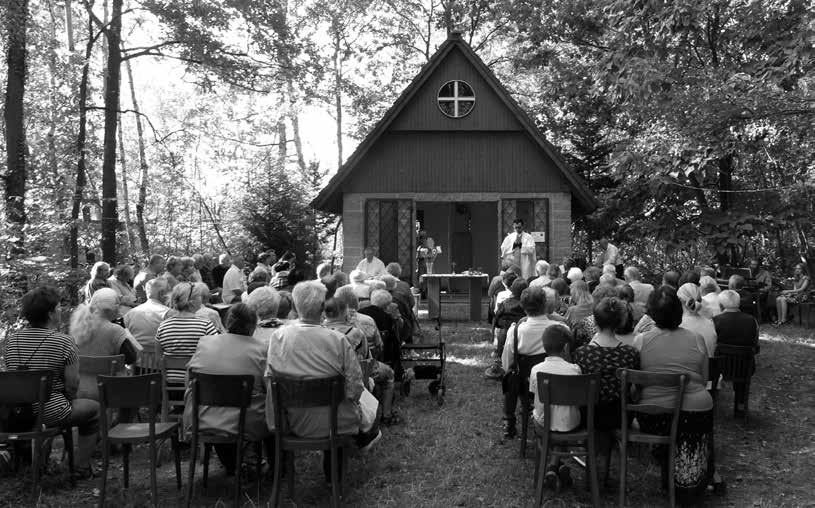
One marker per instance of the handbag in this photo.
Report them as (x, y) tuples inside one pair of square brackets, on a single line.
[(512, 382), (368, 406)]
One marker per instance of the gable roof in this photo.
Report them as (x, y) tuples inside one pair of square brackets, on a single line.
[(330, 197)]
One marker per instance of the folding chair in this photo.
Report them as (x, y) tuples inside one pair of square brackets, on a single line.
[(31, 388), (582, 390), (220, 391), (627, 435), (134, 393), (737, 364), (290, 393)]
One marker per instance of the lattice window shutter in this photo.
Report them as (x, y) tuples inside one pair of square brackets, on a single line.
[(405, 238), (507, 216), (372, 225), (541, 220), (388, 231)]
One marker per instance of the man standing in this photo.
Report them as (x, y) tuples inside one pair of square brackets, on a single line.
[(234, 282), (150, 272), (371, 265), (519, 248), (219, 271), (609, 255)]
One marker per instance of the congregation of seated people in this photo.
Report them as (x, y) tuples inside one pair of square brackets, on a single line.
[(277, 321), (569, 320)]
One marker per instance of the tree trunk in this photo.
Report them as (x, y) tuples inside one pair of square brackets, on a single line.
[(142, 199), (338, 93), (53, 166), (295, 127), (79, 185), (69, 25), (131, 240), (110, 209), (16, 21)]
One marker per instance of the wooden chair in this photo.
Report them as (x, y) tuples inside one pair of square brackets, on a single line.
[(582, 390), (290, 393), (525, 364), (737, 364), (220, 391), (172, 407), (133, 393), (627, 435), (31, 388), (91, 366), (149, 359)]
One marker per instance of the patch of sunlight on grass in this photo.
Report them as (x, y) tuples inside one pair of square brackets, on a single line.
[(467, 362), (770, 337)]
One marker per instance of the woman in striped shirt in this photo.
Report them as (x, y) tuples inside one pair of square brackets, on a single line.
[(40, 346), (178, 335)]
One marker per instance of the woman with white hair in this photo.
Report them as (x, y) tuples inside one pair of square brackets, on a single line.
[(691, 299), (265, 302), (95, 334), (543, 279), (361, 289), (574, 274), (99, 279), (710, 296)]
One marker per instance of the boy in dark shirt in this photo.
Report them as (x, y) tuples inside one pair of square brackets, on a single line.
[(509, 311)]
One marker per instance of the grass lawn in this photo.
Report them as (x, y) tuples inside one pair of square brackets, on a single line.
[(453, 455)]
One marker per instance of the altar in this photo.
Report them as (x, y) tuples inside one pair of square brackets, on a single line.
[(433, 280)]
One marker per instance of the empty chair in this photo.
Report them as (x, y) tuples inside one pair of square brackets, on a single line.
[(129, 394)]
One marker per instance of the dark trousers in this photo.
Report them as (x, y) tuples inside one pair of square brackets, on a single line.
[(511, 403), (228, 454)]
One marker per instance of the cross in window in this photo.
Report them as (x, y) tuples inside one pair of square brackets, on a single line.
[(457, 94)]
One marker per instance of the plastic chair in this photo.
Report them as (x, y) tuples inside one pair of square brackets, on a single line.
[(290, 393), (525, 364), (32, 387), (582, 390), (91, 366), (133, 393), (627, 435), (737, 364), (220, 391)]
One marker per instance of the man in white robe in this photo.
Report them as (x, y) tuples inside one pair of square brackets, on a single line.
[(519, 248)]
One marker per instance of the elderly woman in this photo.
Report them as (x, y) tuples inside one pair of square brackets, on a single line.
[(604, 354), (202, 290), (361, 289), (671, 349), (40, 346), (798, 294), (100, 271), (95, 334), (625, 332), (236, 352), (178, 335), (692, 319), (265, 303), (122, 282), (582, 303), (736, 328), (574, 274), (172, 271), (585, 329), (307, 350), (710, 296), (542, 271), (362, 321), (378, 310), (188, 271)]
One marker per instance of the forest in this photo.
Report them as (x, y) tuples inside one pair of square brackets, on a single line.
[(163, 126)]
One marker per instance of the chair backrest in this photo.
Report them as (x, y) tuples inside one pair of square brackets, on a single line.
[(643, 379), (131, 392), (221, 390), (735, 362), (149, 358), (168, 362), (579, 390), (23, 388), (288, 393), (106, 365)]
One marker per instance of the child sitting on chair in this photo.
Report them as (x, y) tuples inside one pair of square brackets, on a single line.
[(556, 340)]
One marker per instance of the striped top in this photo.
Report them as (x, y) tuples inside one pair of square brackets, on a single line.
[(44, 349), (179, 335)]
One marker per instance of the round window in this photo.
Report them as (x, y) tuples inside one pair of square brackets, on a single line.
[(456, 99)]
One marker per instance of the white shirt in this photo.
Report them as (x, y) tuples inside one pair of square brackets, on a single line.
[(610, 256), (211, 314), (374, 269), (710, 306), (564, 418), (530, 334), (704, 327), (641, 291), (233, 279), (142, 321), (525, 258)]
